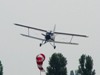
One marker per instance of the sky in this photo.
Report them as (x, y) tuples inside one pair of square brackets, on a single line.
[(18, 53)]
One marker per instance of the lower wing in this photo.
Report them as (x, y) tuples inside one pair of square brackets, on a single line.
[(66, 43), (33, 37)]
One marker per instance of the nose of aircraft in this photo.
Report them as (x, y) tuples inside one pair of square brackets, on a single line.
[(47, 37)]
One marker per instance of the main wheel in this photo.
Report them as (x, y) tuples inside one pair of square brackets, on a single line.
[(54, 47), (40, 44)]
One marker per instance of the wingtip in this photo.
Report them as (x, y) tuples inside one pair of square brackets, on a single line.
[(15, 23), (74, 43), (87, 36)]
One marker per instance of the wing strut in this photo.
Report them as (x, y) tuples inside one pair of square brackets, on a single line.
[(28, 31), (71, 39)]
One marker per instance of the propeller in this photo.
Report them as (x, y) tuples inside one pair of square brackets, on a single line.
[(54, 28), (54, 31)]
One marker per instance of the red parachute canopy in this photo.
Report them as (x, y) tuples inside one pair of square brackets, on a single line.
[(39, 59)]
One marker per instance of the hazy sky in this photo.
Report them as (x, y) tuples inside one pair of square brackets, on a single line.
[(18, 53)]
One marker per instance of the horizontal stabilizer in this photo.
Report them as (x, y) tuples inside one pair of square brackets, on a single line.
[(32, 37)]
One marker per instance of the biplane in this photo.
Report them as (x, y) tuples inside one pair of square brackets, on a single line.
[(49, 36)]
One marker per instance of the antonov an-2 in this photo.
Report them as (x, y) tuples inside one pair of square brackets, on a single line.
[(49, 36)]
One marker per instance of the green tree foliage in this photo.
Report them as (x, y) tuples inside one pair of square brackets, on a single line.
[(86, 65), (57, 65), (71, 72), (76, 72), (1, 69)]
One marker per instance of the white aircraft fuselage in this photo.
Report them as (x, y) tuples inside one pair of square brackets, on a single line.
[(49, 36)]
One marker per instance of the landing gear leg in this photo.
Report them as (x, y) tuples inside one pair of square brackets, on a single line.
[(43, 42)]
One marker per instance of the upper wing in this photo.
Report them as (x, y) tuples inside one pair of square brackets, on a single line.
[(66, 42), (30, 27), (32, 37), (70, 34)]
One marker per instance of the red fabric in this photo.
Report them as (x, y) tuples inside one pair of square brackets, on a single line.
[(43, 56), (39, 59)]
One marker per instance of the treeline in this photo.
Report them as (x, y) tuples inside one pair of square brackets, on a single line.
[(1, 68), (57, 65)]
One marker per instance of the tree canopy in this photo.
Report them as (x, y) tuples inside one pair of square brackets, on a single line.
[(86, 65), (57, 65), (1, 68)]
